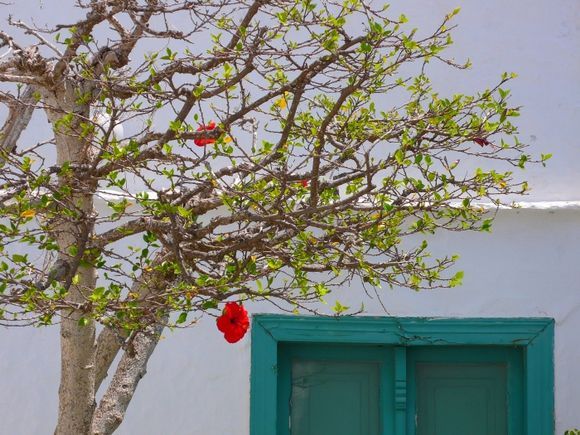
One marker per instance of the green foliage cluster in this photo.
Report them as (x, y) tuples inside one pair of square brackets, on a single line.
[(314, 178)]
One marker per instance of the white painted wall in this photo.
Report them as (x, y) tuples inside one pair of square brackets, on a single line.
[(538, 39), (529, 266), (199, 384)]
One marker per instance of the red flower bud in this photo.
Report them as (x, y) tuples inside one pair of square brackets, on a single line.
[(233, 322), (304, 183), (205, 141), (481, 141)]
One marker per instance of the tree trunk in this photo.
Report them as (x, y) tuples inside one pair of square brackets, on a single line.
[(77, 382), (77, 377)]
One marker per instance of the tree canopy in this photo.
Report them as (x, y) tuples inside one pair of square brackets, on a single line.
[(235, 150)]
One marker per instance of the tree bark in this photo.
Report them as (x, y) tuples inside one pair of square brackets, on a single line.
[(110, 340), (77, 382), (109, 343), (132, 367), (18, 118), (77, 378)]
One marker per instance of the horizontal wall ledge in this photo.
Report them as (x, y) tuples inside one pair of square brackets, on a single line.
[(103, 196), (111, 195), (533, 205)]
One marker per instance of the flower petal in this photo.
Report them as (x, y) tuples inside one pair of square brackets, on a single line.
[(30, 213)]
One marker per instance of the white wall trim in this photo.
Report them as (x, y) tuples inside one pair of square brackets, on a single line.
[(110, 195), (105, 195), (534, 205)]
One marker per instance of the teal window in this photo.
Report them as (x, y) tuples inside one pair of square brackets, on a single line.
[(334, 389), (405, 376)]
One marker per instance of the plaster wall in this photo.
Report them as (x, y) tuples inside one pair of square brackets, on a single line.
[(537, 39), (199, 384)]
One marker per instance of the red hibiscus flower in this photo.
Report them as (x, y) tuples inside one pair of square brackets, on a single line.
[(233, 322), (205, 141), (304, 183), (481, 141)]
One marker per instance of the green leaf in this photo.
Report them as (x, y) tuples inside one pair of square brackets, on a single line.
[(251, 266), (182, 318), (399, 156), (457, 279), (83, 321), (17, 258), (209, 304), (339, 308), (545, 158), (365, 47), (486, 225), (183, 212)]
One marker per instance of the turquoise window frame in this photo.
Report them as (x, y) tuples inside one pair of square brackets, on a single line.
[(535, 336)]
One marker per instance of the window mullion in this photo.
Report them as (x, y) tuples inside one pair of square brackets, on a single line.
[(400, 390)]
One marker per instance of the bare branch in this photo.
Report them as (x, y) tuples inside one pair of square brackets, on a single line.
[(109, 342), (133, 365), (111, 339), (31, 31), (20, 113)]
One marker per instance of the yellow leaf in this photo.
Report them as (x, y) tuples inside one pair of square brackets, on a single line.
[(30, 213), (282, 103), (227, 139)]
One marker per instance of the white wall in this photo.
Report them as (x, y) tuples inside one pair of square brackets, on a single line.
[(199, 384), (538, 39)]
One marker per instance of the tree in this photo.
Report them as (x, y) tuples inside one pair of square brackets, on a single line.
[(264, 156)]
